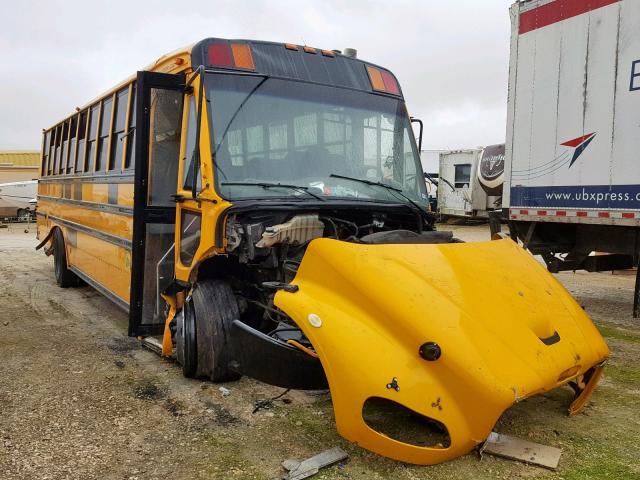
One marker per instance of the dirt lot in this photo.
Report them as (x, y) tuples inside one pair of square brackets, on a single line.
[(80, 400)]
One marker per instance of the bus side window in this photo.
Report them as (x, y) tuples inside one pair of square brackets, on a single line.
[(64, 149), (130, 159), (91, 140), (56, 151), (82, 131), (72, 143), (278, 141), (187, 174), (103, 140), (117, 137), (45, 153), (51, 150)]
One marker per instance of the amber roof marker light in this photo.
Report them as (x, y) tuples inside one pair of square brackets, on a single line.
[(312, 50), (383, 80), (376, 79), (243, 56)]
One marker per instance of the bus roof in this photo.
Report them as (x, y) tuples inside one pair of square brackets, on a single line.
[(326, 67)]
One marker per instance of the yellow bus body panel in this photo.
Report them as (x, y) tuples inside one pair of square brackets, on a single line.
[(106, 263), (367, 309)]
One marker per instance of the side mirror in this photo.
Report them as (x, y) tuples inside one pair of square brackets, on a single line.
[(419, 122)]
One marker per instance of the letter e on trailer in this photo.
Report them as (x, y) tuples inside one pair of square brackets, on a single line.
[(635, 76)]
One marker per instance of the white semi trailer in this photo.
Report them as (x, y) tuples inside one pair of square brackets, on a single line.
[(572, 162)]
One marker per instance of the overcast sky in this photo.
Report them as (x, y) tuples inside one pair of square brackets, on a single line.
[(451, 57)]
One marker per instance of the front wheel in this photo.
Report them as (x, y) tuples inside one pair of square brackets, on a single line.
[(208, 315)]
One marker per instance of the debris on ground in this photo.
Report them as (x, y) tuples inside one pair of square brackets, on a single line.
[(309, 467), (224, 391), (45, 433), (268, 403), (514, 448)]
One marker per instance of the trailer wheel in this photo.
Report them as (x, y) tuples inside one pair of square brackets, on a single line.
[(24, 215), (211, 309), (65, 278)]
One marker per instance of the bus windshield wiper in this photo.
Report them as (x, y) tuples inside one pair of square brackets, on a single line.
[(268, 185), (390, 188), (237, 111)]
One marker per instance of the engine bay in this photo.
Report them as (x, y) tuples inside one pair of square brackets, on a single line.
[(263, 251)]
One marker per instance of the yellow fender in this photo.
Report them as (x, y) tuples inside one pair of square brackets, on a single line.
[(505, 327)]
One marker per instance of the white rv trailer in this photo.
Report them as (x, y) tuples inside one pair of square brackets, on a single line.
[(460, 193), (19, 198), (572, 171), (430, 160)]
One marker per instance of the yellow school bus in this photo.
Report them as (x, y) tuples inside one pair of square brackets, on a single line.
[(259, 209)]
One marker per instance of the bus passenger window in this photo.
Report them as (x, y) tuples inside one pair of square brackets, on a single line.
[(45, 153), (72, 144), (56, 150), (91, 140), (305, 130), (130, 160), (117, 138), (65, 144), (103, 140), (82, 130), (51, 148), (164, 145), (278, 141)]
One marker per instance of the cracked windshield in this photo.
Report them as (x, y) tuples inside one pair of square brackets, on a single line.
[(278, 138)]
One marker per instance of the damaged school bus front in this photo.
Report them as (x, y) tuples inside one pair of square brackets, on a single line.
[(455, 333), (306, 257), (281, 230)]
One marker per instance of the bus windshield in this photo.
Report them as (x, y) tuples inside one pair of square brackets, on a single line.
[(322, 139)]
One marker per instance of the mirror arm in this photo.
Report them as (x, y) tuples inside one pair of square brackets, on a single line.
[(419, 122), (195, 157)]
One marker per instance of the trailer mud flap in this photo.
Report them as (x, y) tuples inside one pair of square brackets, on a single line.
[(451, 334)]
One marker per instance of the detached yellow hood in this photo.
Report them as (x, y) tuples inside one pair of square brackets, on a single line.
[(505, 327)]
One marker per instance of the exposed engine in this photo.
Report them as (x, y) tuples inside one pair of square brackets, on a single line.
[(265, 248)]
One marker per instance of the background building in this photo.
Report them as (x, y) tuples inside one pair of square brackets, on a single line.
[(19, 165)]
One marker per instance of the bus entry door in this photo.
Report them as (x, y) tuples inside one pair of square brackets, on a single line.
[(159, 122)]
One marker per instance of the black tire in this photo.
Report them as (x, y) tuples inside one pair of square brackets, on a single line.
[(23, 214), (65, 278), (186, 341), (212, 308)]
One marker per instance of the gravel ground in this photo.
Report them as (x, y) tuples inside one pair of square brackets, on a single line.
[(80, 400)]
